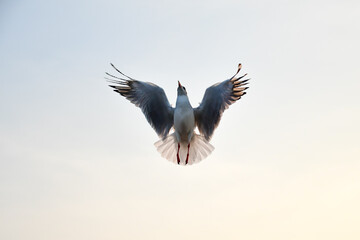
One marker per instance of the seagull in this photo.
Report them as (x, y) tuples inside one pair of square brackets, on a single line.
[(183, 146)]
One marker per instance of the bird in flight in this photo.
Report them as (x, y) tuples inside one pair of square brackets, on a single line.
[(183, 146)]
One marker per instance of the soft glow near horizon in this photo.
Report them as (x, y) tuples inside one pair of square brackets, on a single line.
[(77, 161)]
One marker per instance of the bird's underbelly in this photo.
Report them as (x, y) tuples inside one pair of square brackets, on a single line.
[(184, 124)]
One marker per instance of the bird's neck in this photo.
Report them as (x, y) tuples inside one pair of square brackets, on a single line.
[(182, 101)]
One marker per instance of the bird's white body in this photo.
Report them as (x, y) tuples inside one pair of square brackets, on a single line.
[(184, 120), (184, 147)]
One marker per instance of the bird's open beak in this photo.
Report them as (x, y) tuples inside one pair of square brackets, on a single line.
[(179, 84)]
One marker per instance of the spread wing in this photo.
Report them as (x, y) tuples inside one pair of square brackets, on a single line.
[(149, 97), (217, 98)]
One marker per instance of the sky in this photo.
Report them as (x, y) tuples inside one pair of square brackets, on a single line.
[(77, 160)]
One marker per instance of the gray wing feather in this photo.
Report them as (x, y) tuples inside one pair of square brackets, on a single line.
[(216, 99), (150, 98)]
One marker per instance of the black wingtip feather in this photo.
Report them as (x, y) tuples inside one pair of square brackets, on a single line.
[(122, 73)]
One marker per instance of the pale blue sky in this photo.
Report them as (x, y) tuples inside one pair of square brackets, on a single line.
[(77, 161)]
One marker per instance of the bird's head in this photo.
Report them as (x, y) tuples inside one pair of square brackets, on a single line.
[(181, 89)]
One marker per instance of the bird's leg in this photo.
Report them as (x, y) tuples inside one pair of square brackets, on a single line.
[(187, 155), (177, 154)]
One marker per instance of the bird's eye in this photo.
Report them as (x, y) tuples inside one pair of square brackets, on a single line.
[(184, 88)]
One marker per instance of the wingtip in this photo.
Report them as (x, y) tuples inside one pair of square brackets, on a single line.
[(238, 70)]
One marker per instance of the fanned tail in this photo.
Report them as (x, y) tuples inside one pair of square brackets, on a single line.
[(200, 148)]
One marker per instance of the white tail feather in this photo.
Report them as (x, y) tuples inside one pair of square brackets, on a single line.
[(200, 148)]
